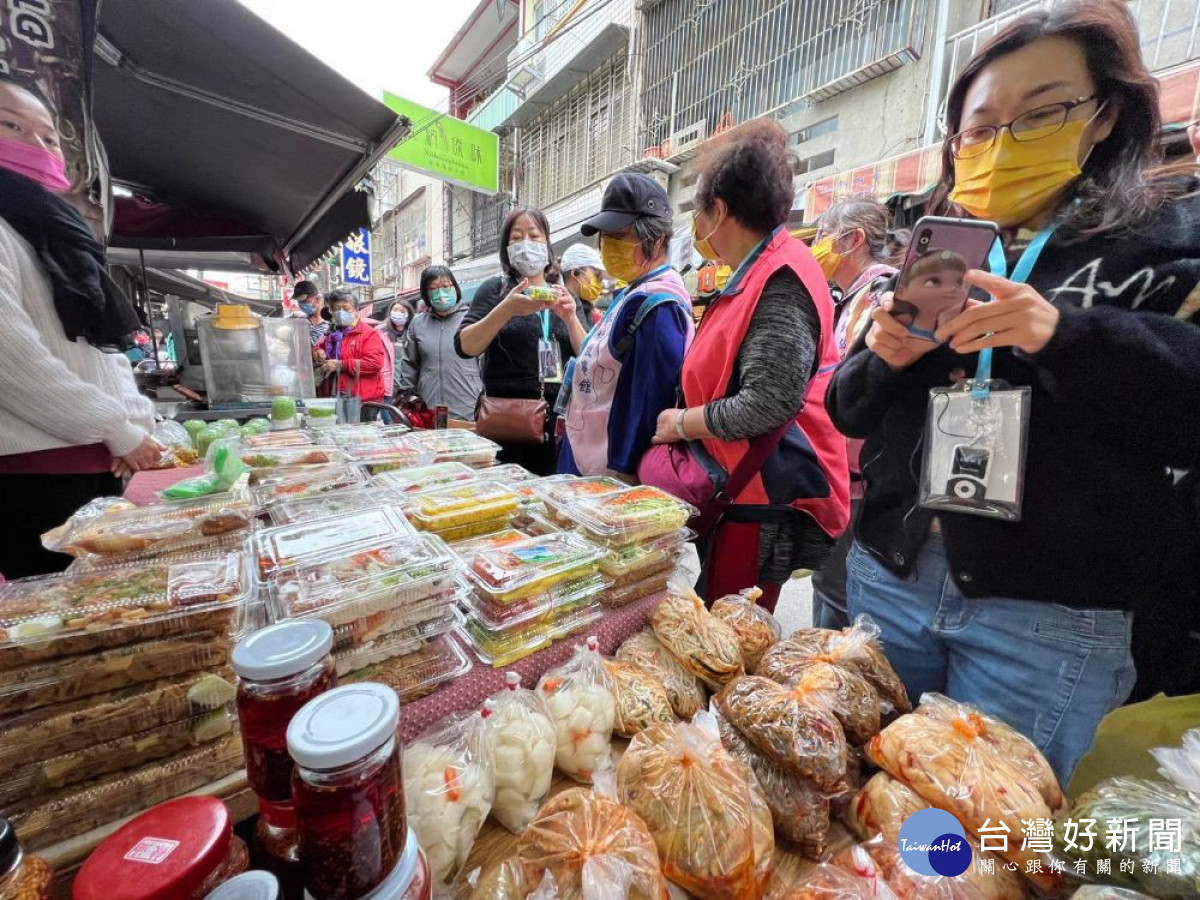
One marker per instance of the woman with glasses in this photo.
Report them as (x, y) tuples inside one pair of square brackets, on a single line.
[(1054, 127)]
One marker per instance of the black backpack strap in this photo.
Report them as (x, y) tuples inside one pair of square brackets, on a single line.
[(649, 303)]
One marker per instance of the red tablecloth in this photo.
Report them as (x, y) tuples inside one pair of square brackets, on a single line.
[(143, 487), (470, 690)]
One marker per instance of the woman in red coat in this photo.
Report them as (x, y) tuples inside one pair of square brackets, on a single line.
[(354, 351)]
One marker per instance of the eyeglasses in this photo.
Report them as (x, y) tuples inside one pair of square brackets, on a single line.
[(1032, 125)]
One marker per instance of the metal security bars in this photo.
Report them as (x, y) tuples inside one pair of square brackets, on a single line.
[(584, 136), (711, 63)]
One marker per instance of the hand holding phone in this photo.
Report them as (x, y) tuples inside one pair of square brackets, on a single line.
[(932, 287)]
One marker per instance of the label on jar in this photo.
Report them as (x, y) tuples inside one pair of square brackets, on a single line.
[(151, 850)]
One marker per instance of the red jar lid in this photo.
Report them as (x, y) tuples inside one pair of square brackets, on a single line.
[(163, 854)]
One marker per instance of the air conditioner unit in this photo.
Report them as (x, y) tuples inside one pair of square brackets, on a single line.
[(688, 138)]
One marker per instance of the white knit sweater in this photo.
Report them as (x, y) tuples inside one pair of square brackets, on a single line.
[(55, 392)]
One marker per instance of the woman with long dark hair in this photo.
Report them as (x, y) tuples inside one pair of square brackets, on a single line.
[(508, 323), (1053, 129)]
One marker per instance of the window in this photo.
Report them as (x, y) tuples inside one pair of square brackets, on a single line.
[(825, 126), (410, 230), (545, 14), (819, 161)]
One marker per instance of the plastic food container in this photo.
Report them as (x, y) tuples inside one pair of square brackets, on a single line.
[(256, 885), (367, 433), (274, 440), (270, 485), (505, 537), (22, 877), (385, 456), (466, 506), (292, 457), (531, 567), (644, 559), (54, 731), (630, 516), (283, 412), (63, 615), (435, 618), (562, 599), (510, 474), (453, 445), (125, 535), (279, 668), (348, 790), (292, 545), (422, 672), (95, 803), (502, 648), (560, 491), (321, 413), (182, 849), (291, 512), (427, 478), (624, 595)]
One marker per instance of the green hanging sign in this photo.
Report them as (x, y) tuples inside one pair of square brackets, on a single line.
[(447, 148)]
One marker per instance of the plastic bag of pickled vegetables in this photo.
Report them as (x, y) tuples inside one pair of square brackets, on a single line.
[(1161, 871), (882, 806), (800, 812), (706, 811), (830, 882), (1008, 742), (1182, 764), (704, 645), (756, 629), (952, 764), (881, 857), (578, 826), (579, 698), (641, 699), (851, 699), (1104, 892), (806, 740), (523, 745), (856, 648), (448, 789), (684, 690)]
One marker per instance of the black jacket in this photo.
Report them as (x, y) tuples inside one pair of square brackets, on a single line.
[(1115, 402)]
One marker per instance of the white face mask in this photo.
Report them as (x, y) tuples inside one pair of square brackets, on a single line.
[(528, 257)]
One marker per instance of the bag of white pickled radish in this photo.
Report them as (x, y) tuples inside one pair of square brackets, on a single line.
[(449, 786), (523, 745), (578, 696)]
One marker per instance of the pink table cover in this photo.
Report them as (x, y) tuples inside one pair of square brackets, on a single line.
[(143, 487)]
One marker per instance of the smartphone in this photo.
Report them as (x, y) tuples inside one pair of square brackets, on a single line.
[(931, 288)]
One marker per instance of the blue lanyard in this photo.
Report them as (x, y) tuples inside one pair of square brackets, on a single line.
[(999, 266), (545, 316)]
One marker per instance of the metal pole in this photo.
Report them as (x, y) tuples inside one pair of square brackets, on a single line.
[(149, 308)]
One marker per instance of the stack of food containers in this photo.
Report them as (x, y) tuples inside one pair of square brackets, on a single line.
[(641, 527), (422, 479), (321, 506), (465, 510), (115, 689), (268, 487), (453, 445), (559, 492), (528, 593)]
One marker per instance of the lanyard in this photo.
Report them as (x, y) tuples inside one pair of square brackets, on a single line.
[(545, 317), (999, 266), (617, 303)]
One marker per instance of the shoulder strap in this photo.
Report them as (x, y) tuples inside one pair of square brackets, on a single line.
[(751, 464), (649, 303)]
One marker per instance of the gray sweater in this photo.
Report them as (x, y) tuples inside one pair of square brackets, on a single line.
[(432, 370)]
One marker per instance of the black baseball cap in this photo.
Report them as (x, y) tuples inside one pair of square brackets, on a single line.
[(305, 289), (628, 197)]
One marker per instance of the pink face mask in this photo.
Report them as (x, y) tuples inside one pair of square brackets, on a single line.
[(37, 163)]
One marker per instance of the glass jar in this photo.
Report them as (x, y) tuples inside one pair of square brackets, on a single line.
[(277, 849), (183, 849), (279, 669), (409, 880), (22, 877), (348, 790)]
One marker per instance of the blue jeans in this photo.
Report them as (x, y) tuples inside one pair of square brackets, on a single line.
[(1049, 671)]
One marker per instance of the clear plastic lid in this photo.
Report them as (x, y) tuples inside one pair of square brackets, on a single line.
[(293, 545), (419, 673), (624, 561), (290, 457), (364, 647), (385, 456), (341, 586), (505, 537), (276, 440), (561, 599), (270, 485), (499, 650), (630, 515), (291, 512), (78, 612), (510, 474), (559, 490), (529, 567), (463, 505), (368, 433), (343, 725), (623, 595), (419, 479), (453, 444)]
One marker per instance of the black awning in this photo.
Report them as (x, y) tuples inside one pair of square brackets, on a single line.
[(207, 109)]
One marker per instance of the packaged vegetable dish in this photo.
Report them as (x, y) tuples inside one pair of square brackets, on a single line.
[(123, 534), (629, 516), (684, 690), (523, 754), (530, 567), (756, 629), (706, 811), (641, 700), (578, 696), (703, 644), (559, 491), (461, 507), (842, 692), (294, 545)]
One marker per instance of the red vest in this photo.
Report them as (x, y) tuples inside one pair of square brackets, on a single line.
[(711, 364)]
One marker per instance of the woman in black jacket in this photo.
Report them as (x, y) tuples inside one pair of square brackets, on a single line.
[(1053, 126), (505, 326)]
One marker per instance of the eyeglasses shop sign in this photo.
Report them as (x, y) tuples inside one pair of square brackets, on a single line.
[(356, 258)]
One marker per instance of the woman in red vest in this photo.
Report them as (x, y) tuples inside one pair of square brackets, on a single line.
[(761, 359)]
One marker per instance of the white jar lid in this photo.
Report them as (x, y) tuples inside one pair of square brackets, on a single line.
[(343, 725), (397, 883), (285, 648), (254, 885)]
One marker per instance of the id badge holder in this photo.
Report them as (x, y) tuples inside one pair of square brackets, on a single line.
[(976, 439), (549, 361), (564, 392)]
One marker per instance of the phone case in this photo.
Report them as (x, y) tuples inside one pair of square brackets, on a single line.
[(931, 288)]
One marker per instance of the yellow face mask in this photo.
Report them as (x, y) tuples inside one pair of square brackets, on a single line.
[(590, 287), (702, 245), (620, 258), (827, 258), (1015, 180)]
